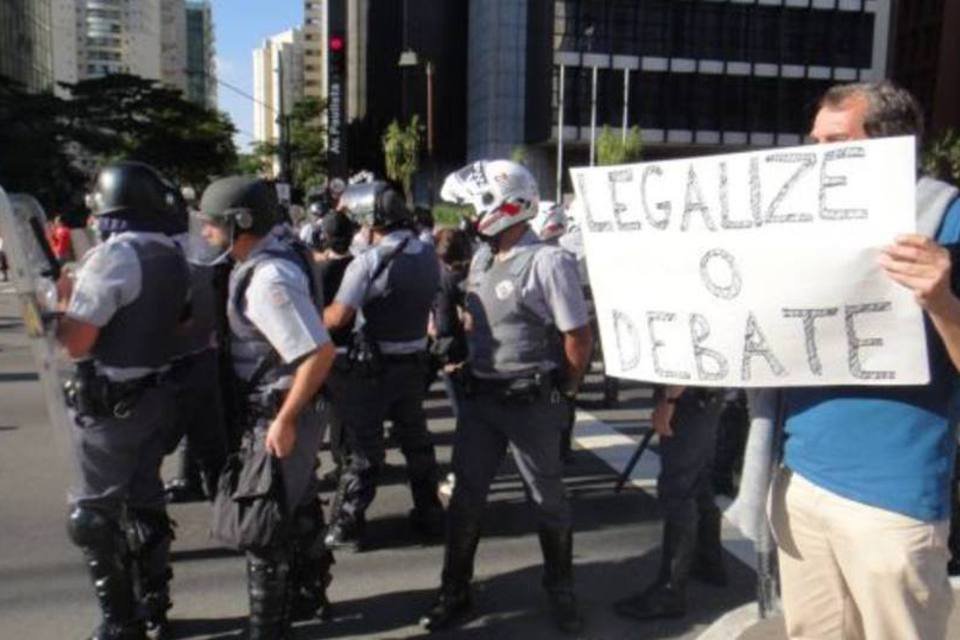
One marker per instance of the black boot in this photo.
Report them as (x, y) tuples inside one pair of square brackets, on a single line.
[(267, 584), (154, 530), (666, 598), (311, 565), (427, 517), (105, 549), (557, 547), (708, 565), (453, 601)]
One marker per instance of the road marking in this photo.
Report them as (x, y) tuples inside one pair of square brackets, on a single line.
[(614, 448)]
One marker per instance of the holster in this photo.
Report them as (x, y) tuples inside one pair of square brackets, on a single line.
[(96, 396), (363, 355), (520, 390)]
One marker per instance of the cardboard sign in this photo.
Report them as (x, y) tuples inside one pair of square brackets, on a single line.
[(755, 269)]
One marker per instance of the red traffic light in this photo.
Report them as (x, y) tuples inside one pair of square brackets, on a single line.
[(336, 43)]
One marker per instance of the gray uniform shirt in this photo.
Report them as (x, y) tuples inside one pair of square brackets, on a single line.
[(110, 278), (552, 289), (280, 306), (356, 289)]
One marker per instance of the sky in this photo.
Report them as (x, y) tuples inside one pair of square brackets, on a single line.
[(240, 26)]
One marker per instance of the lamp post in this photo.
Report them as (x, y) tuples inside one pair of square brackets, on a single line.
[(409, 58)]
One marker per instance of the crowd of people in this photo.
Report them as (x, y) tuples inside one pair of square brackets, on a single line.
[(329, 331)]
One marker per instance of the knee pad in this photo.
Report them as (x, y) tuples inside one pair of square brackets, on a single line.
[(152, 528), (91, 528)]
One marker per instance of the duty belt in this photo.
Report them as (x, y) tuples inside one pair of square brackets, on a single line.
[(521, 389), (94, 395)]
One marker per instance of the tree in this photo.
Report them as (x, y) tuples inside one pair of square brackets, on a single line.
[(519, 154), (942, 157), (308, 156), (401, 150), (613, 149), (124, 116), (35, 160)]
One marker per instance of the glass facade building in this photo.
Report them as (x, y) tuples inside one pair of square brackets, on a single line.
[(26, 42)]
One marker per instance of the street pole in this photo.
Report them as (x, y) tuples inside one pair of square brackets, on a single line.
[(593, 118), (560, 138), (433, 165), (626, 101)]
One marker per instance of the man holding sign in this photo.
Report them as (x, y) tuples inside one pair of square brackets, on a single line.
[(860, 507)]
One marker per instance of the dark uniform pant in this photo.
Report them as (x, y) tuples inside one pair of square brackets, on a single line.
[(532, 429), (362, 402), (686, 459), (199, 415), (118, 459)]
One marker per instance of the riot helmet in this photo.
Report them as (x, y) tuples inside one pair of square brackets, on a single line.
[(338, 231), (378, 205), (133, 196), (503, 193), (246, 203), (550, 222)]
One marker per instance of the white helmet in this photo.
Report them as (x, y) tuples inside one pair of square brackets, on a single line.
[(551, 221), (502, 192)]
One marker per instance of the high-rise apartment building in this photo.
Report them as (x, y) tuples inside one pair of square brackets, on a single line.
[(201, 68), (314, 49), (146, 38), (173, 44), (277, 82), (26, 38)]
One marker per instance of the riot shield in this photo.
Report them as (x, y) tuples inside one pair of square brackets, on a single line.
[(34, 271)]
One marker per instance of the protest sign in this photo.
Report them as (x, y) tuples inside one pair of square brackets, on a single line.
[(755, 269)]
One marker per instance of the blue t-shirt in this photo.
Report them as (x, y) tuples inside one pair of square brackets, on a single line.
[(888, 447)]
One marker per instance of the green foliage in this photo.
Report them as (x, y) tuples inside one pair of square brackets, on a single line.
[(34, 138), (942, 157), (251, 164), (125, 116), (308, 156), (612, 149), (446, 214), (401, 150), (519, 154)]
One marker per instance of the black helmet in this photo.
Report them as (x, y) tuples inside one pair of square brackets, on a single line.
[(246, 201), (316, 210), (133, 189), (338, 231), (375, 204)]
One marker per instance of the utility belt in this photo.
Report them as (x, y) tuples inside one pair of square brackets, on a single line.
[(94, 395), (365, 357), (264, 405), (524, 389)]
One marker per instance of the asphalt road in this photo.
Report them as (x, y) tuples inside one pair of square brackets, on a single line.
[(380, 593)]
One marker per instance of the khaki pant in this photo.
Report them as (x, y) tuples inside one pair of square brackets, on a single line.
[(849, 570)]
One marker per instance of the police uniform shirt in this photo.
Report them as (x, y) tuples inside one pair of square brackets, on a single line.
[(552, 290), (110, 278), (356, 289), (279, 304)]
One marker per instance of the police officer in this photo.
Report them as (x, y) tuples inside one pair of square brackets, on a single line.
[(194, 374), (391, 286), (119, 321), (686, 421), (281, 355), (529, 344), (334, 258)]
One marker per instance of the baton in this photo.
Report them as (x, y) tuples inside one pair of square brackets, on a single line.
[(634, 459)]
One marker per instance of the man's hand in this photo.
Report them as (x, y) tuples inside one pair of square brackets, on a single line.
[(923, 266), (281, 436), (662, 417)]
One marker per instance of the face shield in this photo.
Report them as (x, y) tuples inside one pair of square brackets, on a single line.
[(209, 240)]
